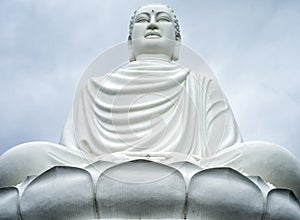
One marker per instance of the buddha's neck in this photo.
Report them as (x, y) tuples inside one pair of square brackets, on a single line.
[(161, 57)]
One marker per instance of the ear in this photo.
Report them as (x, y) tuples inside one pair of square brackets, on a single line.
[(131, 55), (176, 50)]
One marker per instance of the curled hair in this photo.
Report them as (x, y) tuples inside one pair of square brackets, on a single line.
[(177, 30)]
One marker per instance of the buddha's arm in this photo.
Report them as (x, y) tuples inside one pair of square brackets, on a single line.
[(68, 135), (220, 126)]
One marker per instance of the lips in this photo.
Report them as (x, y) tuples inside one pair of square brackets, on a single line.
[(152, 34)]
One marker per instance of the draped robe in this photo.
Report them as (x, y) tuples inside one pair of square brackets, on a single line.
[(151, 108)]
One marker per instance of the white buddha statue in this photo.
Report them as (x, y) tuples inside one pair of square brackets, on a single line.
[(155, 109)]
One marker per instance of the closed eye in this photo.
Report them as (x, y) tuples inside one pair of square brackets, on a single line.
[(142, 18), (165, 19)]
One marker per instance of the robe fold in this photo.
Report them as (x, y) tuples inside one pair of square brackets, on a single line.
[(151, 108)]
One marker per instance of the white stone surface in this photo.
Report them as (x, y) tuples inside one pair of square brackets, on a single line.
[(142, 189), (187, 170), (282, 204), (9, 197), (59, 193), (222, 193)]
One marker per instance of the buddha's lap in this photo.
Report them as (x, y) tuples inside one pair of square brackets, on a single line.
[(271, 162)]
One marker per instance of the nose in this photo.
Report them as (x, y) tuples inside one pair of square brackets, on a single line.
[(152, 24)]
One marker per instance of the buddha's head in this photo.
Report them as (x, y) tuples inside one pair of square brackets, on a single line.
[(154, 32)]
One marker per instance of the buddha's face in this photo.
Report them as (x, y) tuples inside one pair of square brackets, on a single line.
[(153, 32)]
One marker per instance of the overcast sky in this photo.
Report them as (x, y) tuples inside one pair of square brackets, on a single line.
[(252, 46)]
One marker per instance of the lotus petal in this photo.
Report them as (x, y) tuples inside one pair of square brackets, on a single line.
[(59, 193), (223, 193), (9, 197), (141, 189), (282, 204)]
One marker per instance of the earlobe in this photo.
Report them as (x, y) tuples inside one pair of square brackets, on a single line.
[(131, 55), (176, 50)]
